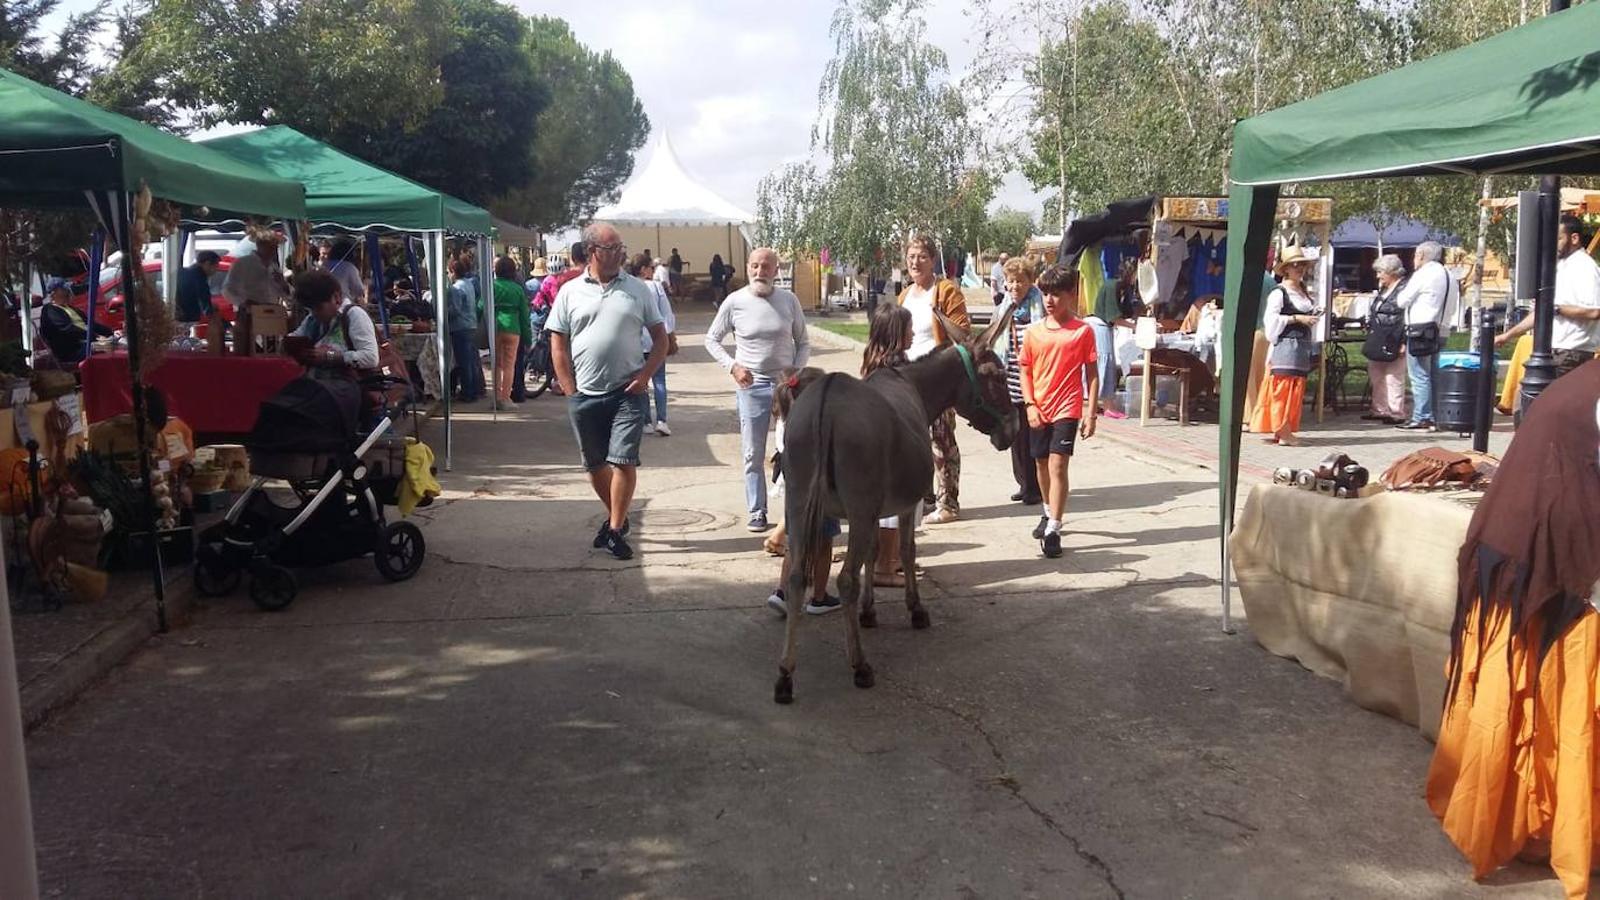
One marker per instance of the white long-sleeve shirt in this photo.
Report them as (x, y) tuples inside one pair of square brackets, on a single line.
[(1577, 284), (1424, 296), (1282, 303), (769, 334), (251, 280)]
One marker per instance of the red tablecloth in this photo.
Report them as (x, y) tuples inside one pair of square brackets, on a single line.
[(212, 394)]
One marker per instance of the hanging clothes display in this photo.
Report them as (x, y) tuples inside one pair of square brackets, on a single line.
[(1172, 250), (1206, 277)]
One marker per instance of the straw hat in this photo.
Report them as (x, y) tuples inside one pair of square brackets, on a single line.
[(541, 268), (1290, 254)]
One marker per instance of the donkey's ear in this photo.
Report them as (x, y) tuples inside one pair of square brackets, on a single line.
[(953, 331), (997, 324)]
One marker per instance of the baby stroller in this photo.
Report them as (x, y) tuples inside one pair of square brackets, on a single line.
[(308, 435)]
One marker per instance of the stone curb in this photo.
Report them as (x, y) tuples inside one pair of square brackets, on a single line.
[(61, 684)]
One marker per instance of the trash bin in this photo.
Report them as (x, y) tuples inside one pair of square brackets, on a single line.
[(1455, 392)]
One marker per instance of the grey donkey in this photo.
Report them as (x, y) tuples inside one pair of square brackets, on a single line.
[(858, 450)]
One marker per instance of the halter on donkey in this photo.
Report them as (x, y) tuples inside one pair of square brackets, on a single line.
[(858, 450)]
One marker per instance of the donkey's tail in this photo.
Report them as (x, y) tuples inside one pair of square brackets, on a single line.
[(810, 525)]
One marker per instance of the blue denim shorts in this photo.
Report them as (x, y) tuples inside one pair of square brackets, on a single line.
[(609, 427)]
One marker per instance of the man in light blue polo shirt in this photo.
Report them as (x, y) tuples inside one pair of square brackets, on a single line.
[(597, 344)]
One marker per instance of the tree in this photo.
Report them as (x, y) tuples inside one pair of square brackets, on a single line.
[(322, 66), (896, 138), (475, 144), (584, 140), (69, 64), (1007, 230)]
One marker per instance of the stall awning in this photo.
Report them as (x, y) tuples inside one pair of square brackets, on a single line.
[(1357, 234), (1525, 101), (54, 147), (345, 192)]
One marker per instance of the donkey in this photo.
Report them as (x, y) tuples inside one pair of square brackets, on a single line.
[(858, 450)]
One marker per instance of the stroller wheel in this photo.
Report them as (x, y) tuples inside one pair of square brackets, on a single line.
[(272, 587), (399, 553), (212, 576)]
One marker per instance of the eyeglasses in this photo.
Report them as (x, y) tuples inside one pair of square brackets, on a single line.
[(608, 248)]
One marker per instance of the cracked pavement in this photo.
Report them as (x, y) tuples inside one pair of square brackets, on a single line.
[(531, 718)]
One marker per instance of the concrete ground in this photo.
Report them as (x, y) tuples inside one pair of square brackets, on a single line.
[(531, 718)]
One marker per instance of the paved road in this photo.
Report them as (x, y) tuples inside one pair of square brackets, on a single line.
[(531, 718)]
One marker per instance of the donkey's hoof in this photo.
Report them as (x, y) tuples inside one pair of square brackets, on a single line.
[(864, 677), (869, 619), (919, 618), (783, 691)]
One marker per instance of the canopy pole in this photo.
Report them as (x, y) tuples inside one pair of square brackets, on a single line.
[(19, 875), (171, 262), (433, 245), (375, 263), (27, 299), (1251, 213), (1540, 370), (97, 252), (130, 308), (486, 283)]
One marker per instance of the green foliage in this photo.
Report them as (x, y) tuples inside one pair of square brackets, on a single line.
[(1006, 230), (491, 98), (318, 65), (897, 141), (584, 139)]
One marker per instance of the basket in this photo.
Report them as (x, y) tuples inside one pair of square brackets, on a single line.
[(204, 481), (49, 384)]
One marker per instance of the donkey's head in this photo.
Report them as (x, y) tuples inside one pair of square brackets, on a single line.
[(984, 401)]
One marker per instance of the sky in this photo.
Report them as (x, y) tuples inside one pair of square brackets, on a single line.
[(734, 81)]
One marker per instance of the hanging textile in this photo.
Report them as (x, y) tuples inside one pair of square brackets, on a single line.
[(1091, 277)]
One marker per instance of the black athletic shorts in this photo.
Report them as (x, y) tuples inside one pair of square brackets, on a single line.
[(1060, 436)]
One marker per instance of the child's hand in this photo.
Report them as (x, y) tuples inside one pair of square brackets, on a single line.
[(1033, 417), (1086, 427)]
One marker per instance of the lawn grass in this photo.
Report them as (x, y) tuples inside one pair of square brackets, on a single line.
[(853, 330)]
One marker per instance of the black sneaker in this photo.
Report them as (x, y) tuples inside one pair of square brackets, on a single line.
[(605, 526), (1038, 530), (1016, 496), (1051, 545), (829, 603), (618, 547)]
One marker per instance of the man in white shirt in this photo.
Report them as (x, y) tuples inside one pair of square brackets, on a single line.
[(1423, 299), (254, 278), (1575, 333), (997, 278), (769, 335)]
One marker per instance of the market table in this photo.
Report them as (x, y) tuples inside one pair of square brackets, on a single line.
[(212, 394), (1363, 591), (422, 348)]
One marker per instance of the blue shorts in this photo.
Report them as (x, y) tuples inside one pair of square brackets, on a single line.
[(609, 427)]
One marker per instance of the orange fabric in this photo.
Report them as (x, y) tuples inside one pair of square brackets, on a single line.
[(1513, 772), (1279, 404), (1258, 371), (948, 299), (1051, 362), (505, 363)]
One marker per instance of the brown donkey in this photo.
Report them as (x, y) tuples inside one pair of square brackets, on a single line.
[(857, 450)]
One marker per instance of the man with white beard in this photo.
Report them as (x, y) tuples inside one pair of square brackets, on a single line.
[(769, 336)]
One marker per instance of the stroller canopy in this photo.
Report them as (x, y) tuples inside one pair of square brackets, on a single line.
[(310, 415)]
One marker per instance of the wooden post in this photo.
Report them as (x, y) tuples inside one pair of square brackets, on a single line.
[(1146, 390)]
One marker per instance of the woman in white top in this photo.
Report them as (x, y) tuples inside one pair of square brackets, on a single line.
[(644, 268), (1290, 314), (928, 292)]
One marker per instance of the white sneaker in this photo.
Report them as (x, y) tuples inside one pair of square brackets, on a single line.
[(663, 430)]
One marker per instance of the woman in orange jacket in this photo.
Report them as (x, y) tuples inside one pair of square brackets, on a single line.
[(926, 293)]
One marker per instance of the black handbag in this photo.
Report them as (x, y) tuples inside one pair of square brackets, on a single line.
[(1383, 345), (1422, 339)]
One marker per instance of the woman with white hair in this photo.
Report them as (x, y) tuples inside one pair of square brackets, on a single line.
[(1385, 348)]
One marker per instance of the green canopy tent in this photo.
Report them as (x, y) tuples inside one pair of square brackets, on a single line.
[(58, 152), (344, 193), (1526, 101)]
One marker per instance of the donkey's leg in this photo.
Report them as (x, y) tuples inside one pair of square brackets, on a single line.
[(908, 562), (863, 545), (794, 593)]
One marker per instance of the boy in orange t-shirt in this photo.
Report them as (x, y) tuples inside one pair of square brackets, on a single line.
[(1058, 370)]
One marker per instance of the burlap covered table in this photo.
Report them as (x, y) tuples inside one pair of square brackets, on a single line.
[(1363, 591)]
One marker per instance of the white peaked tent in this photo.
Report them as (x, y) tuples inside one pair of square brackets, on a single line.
[(663, 206)]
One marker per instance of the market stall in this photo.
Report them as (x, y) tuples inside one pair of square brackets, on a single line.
[(346, 195), (64, 153), (216, 395), (1180, 245), (1513, 104)]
